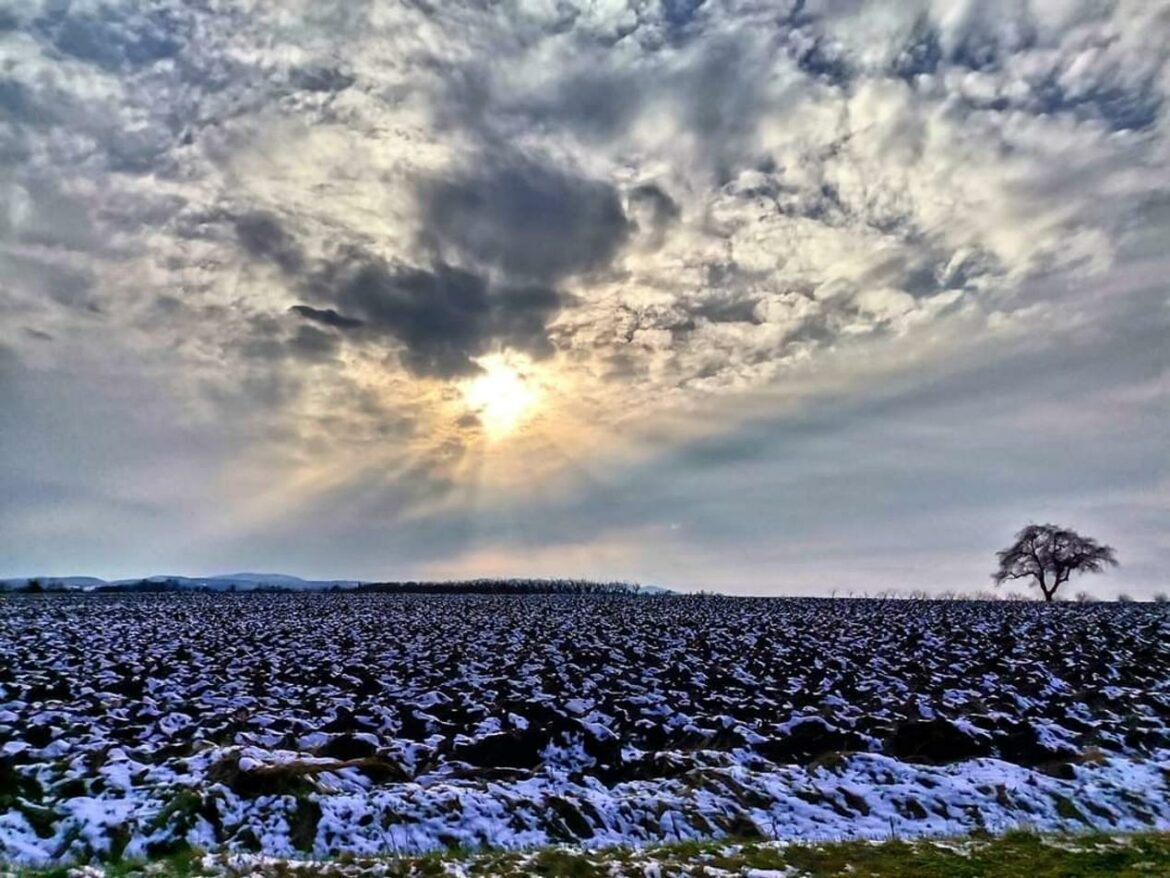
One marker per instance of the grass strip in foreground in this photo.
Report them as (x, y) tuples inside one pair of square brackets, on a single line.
[(1015, 855)]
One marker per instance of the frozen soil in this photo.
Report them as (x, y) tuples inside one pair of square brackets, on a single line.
[(319, 726)]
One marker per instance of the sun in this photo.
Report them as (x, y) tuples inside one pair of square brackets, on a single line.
[(503, 395)]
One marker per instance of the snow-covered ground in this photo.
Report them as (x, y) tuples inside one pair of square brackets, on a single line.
[(320, 724)]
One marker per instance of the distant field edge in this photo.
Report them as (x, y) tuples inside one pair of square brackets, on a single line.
[(1016, 854)]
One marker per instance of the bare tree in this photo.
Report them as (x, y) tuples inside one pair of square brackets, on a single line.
[(1048, 555)]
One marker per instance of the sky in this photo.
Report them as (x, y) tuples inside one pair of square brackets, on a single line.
[(758, 296)]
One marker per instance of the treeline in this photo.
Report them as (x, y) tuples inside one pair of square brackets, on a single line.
[(467, 586), (504, 586)]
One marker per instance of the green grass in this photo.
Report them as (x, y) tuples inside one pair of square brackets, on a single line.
[(180, 865), (1015, 855)]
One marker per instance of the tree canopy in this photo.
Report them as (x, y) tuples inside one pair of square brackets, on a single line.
[(1047, 555)]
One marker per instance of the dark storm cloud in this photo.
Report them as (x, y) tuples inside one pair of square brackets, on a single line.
[(327, 316), (502, 236), (530, 223), (520, 316), (443, 316), (525, 218), (437, 314)]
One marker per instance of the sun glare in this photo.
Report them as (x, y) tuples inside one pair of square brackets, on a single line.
[(502, 396)]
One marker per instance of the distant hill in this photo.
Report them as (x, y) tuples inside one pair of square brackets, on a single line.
[(163, 582), (243, 582), (281, 579), (279, 582), (53, 583)]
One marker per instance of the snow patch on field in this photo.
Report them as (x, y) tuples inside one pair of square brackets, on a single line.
[(865, 796)]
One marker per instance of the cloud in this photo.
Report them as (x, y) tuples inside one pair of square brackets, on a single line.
[(327, 316), (439, 314), (46, 277), (525, 218), (444, 317), (115, 39), (311, 343), (264, 237), (653, 212), (323, 79)]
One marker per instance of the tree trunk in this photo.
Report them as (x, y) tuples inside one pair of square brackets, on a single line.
[(1042, 581)]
